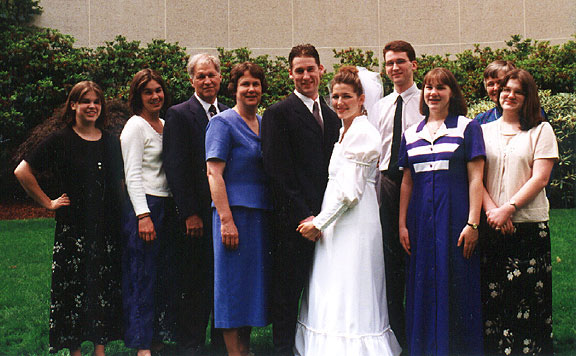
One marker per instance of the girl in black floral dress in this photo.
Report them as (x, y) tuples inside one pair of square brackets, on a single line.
[(86, 164), (521, 150)]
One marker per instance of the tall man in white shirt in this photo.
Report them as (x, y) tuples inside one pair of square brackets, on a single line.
[(392, 115)]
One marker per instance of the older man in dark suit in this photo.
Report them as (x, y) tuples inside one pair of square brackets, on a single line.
[(185, 165), (298, 135)]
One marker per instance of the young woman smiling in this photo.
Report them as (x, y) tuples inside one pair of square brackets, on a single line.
[(86, 164), (521, 150), (440, 200), (149, 220)]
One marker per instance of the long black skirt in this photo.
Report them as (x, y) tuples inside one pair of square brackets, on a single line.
[(517, 290), (86, 301)]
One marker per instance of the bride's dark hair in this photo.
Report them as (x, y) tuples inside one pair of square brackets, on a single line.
[(348, 75)]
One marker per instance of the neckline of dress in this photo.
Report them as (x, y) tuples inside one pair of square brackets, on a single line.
[(150, 126), (239, 117)]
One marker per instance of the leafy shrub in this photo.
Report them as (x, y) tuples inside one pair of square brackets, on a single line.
[(18, 11), (38, 67), (553, 66), (561, 110)]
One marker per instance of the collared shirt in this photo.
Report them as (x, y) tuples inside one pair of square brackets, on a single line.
[(382, 117), (206, 105), (310, 102)]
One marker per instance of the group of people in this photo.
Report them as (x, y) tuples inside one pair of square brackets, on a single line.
[(354, 230)]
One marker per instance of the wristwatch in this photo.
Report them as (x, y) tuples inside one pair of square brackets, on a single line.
[(473, 226)]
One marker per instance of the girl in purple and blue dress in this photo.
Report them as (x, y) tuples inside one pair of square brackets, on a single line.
[(440, 201)]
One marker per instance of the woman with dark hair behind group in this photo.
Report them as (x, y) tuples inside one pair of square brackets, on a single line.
[(440, 202), (87, 167), (521, 150), (238, 186), (148, 220)]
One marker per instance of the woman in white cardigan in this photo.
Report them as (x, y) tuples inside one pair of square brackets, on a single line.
[(148, 219)]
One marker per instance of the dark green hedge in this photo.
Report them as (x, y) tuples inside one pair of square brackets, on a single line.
[(38, 66)]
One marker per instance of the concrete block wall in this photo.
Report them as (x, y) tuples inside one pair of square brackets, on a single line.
[(274, 26)]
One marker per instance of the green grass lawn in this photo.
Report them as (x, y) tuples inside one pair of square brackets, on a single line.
[(26, 247)]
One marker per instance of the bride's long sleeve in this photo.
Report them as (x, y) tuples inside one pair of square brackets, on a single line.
[(361, 151)]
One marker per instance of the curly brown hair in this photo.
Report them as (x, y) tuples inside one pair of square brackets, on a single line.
[(238, 71)]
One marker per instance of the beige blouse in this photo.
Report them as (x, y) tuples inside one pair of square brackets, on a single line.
[(509, 161)]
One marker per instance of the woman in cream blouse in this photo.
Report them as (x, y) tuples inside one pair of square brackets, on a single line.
[(521, 150)]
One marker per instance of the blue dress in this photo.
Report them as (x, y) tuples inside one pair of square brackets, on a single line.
[(241, 275), (443, 306)]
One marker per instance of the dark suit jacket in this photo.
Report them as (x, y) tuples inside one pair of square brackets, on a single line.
[(296, 157), (184, 157)]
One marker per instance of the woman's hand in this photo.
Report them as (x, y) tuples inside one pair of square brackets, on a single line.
[(468, 237), (309, 231), (508, 228), (498, 217), (146, 229), (405, 239), (229, 234), (59, 202)]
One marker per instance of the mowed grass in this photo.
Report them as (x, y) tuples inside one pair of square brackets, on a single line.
[(26, 258)]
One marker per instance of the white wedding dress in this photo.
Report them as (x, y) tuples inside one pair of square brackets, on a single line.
[(344, 310)]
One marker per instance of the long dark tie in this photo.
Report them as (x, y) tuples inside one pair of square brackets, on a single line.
[(212, 110), (316, 113), (397, 135)]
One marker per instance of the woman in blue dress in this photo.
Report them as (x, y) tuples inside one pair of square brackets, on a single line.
[(440, 201), (241, 203)]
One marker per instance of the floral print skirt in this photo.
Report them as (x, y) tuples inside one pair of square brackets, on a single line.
[(86, 302), (517, 290)]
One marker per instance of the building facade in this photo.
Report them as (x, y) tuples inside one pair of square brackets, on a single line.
[(274, 26)]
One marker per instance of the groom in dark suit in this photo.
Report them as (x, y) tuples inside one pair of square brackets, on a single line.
[(298, 135), (185, 165)]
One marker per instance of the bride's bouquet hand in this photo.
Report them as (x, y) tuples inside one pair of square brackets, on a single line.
[(309, 231)]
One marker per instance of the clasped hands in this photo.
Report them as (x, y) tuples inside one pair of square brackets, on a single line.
[(499, 219), (308, 230)]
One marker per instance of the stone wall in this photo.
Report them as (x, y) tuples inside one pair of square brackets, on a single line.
[(274, 26)]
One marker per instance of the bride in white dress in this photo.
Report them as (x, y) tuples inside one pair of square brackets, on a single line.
[(344, 310)]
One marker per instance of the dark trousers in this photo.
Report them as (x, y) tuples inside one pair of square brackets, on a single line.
[(148, 282), (394, 254), (195, 265), (292, 259)]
